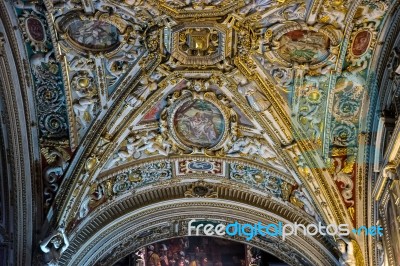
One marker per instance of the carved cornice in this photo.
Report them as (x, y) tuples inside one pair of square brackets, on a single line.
[(125, 167), (116, 209), (216, 12)]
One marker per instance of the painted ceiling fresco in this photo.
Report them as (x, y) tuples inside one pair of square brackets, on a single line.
[(270, 94)]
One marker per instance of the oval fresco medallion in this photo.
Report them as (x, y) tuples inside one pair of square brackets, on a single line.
[(199, 123), (94, 34), (200, 166), (303, 46), (361, 42), (35, 29)]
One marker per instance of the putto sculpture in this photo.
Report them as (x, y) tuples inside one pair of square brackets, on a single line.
[(54, 246)]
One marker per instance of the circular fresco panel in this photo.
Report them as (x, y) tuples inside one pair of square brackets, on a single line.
[(199, 123), (94, 34)]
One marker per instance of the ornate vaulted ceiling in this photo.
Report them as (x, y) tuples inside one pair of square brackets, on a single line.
[(208, 108)]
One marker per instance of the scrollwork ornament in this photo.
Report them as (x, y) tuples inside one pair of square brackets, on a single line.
[(255, 177), (342, 166), (53, 125), (48, 98), (45, 71), (344, 134), (198, 119), (347, 108), (122, 184), (57, 159), (136, 177)]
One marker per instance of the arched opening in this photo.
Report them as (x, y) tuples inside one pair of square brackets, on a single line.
[(199, 251), (120, 228)]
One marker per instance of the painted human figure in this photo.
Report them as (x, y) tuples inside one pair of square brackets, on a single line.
[(204, 126), (164, 255), (361, 43), (139, 255), (153, 258), (209, 130), (200, 125), (54, 246)]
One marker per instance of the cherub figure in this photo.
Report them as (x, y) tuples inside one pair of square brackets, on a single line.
[(155, 143), (127, 151), (84, 105)]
